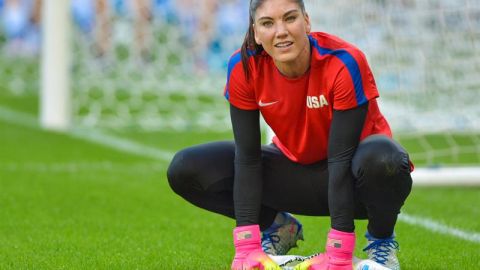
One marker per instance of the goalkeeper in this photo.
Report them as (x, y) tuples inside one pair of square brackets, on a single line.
[(332, 155)]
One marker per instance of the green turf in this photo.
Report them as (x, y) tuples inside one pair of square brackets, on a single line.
[(443, 149)]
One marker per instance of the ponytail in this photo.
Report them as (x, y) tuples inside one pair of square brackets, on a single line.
[(249, 46)]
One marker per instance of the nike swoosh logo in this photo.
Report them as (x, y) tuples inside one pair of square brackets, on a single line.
[(262, 104)]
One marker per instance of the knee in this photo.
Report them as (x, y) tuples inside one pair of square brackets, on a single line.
[(379, 156), (174, 172), (180, 171)]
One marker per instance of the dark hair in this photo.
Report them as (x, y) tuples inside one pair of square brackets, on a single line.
[(249, 46)]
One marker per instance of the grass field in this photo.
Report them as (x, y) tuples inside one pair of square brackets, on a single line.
[(72, 201)]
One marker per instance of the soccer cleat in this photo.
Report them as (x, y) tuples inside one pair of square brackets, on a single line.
[(383, 251), (282, 235)]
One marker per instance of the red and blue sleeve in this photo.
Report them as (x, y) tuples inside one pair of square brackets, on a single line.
[(237, 89), (354, 84)]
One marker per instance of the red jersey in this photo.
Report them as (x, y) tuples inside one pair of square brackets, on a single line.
[(299, 110)]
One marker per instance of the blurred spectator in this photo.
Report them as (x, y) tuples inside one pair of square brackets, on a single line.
[(103, 27), (142, 12), (83, 12), (213, 31), (21, 23), (165, 11), (231, 23), (103, 20), (204, 33), (109, 12)]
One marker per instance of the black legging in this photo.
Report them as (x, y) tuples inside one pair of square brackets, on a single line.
[(203, 175)]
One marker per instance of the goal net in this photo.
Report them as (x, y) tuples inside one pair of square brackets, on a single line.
[(426, 59)]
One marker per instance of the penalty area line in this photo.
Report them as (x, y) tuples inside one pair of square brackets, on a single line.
[(90, 135), (436, 227), (82, 166)]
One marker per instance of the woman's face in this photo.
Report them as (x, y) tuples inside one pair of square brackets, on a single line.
[(281, 28)]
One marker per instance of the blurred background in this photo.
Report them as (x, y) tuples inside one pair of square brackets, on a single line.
[(97, 95), (156, 65)]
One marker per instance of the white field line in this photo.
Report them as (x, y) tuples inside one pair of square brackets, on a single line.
[(434, 226), (132, 147), (94, 136), (18, 118), (121, 144), (81, 166)]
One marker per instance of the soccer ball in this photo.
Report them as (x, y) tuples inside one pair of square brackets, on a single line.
[(360, 264), (288, 262)]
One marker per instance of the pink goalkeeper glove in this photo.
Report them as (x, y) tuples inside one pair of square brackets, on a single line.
[(248, 250), (340, 246), (319, 262)]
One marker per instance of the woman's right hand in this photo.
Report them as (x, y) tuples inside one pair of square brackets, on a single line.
[(248, 250)]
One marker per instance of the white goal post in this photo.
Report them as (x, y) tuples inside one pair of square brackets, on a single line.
[(55, 98)]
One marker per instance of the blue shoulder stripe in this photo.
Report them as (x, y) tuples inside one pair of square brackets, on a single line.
[(352, 66), (234, 60)]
